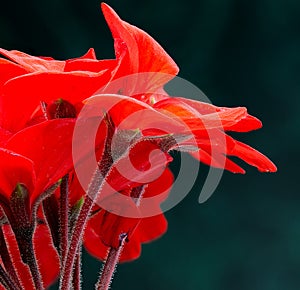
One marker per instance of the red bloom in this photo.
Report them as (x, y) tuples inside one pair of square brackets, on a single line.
[(137, 53), (191, 123), (141, 124)]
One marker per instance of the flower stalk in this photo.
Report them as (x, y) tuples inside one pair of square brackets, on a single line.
[(7, 281), (7, 262), (76, 237), (110, 265), (64, 217)]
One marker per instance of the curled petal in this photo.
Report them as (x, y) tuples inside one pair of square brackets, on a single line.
[(253, 157), (90, 65), (138, 52), (222, 119), (131, 114), (33, 63)]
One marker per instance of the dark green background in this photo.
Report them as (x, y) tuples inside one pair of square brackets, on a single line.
[(247, 236)]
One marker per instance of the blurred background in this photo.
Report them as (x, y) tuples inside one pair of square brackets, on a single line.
[(240, 53)]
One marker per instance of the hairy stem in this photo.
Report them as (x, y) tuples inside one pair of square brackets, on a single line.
[(6, 281), (7, 262), (77, 272), (63, 217), (110, 265), (76, 237), (31, 262)]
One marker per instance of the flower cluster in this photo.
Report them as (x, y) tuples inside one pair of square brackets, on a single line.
[(61, 188)]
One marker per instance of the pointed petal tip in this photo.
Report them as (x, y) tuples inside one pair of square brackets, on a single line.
[(106, 9), (239, 172), (103, 5), (270, 169)]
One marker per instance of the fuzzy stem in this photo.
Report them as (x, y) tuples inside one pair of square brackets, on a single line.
[(24, 237), (65, 282), (77, 272), (77, 232), (113, 257), (110, 265), (31, 262), (6, 281), (23, 228), (63, 215), (93, 191), (7, 262), (50, 208)]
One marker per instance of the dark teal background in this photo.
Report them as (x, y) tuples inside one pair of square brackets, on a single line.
[(247, 235)]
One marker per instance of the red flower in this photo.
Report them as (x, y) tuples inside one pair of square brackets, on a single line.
[(137, 53), (143, 121), (191, 123)]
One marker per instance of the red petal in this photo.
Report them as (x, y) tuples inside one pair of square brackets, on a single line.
[(151, 228), (49, 146), (104, 228), (90, 65), (14, 169), (22, 95), (219, 161), (9, 70), (138, 51), (95, 247), (248, 123), (33, 63), (222, 118), (253, 157), (89, 55), (4, 136), (128, 113), (144, 164), (110, 227), (93, 244)]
